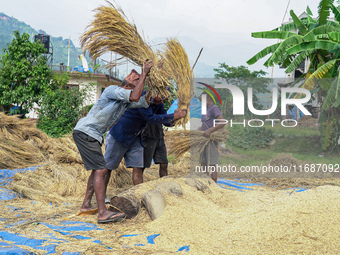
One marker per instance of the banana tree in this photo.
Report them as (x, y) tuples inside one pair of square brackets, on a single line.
[(319, 41)]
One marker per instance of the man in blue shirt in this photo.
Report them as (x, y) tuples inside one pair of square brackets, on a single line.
[(89, 131), (124, 138)]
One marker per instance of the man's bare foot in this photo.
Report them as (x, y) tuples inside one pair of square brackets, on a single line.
[(86, 209)]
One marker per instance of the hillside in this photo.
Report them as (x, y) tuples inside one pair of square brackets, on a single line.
[(60, 45)]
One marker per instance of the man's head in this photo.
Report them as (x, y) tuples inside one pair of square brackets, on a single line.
[(210, 101), (131, 80), (157, 100)]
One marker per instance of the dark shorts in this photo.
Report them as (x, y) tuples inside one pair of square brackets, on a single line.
[(154, 149), (210, 154), (115, 151), (90, 151)]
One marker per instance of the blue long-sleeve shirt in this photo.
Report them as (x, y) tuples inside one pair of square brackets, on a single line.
[(131, 123)]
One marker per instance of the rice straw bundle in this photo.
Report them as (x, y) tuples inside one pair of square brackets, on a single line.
[(178, 63), (181, 142), (178, 142), (199, 142), (111, 31)]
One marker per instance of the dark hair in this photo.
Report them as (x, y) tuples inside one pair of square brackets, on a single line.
[(208, 96), (124, 82)]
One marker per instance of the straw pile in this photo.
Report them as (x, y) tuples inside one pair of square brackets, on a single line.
[(62, 172), (177, 60), (21, 143), (181, 142), (111, 31)]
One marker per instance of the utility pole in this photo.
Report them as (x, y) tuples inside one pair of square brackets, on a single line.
[(68, 54)]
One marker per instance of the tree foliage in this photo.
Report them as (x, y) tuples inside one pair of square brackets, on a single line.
[(25, 76), (243, 78), (317, 40), (62, 107)]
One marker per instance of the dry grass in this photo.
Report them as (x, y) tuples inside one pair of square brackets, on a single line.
[(111, 31), (177, 60), (62, 172), (179, 142)]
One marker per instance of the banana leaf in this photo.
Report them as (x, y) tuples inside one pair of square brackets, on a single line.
[(319, 73), (300, 26), (273, 34), (321, 30), (263, 53), (312, 45), (334, 36), (276, 57), (296, 62), (324, 11)]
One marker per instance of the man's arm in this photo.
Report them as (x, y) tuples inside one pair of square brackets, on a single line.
[(143, 102), (166, 119), (208, 132), (137, 91)]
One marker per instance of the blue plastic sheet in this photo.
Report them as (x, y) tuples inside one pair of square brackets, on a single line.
[(6, 176), (131, 235), (295, 113), (184, 248), (151, 238), (232, 184), (194, 108), (21, 240), (76, 226), (9, 249)]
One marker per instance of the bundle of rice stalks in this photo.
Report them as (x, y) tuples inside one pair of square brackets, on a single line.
[(111, 31), (181, 142), (178, 142), (178, 63), (199, 142)]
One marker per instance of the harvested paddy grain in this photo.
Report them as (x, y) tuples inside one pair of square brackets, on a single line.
[(264, 220)]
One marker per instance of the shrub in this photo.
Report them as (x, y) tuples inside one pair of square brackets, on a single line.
[(249, 138), (61, 108)]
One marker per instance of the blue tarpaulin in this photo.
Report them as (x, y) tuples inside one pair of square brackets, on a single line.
[(194, 108), (6, 176)]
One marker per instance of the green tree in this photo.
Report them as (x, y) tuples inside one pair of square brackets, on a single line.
[(319, 41), (25, 76), (62, 107), (243, 78)]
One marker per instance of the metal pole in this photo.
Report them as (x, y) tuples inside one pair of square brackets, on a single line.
[(68, 54)]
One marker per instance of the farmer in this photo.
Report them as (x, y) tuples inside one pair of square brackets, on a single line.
[(89, 131), (154, 149), (210, 155), (125, 140)]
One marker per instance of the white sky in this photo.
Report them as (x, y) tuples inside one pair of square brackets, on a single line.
[(211, 23)]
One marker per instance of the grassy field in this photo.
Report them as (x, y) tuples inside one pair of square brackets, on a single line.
[(303, 143)]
